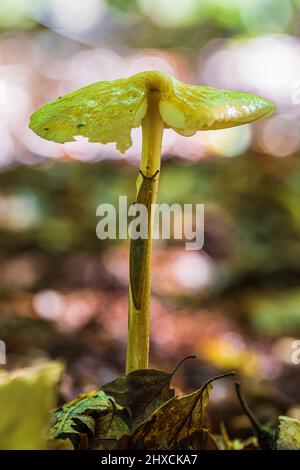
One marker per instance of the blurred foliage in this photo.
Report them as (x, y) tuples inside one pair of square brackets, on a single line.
[(26, 397), (196, 18), (289, 434), (247, 189)]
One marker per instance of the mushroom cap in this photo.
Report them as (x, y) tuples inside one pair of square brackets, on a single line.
[(107, 111)]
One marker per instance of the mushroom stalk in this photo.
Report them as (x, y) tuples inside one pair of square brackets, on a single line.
[(140, 268), (107, 112)]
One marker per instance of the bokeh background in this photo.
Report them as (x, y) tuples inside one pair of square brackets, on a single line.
[(63, 293)]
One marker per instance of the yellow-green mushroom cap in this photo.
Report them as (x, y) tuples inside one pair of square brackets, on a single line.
[(107, 111)]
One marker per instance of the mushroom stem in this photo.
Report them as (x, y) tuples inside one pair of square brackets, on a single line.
[(140, 263)]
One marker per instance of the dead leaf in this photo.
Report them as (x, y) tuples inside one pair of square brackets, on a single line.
[(178, 424), (142, 391), (109, 429)]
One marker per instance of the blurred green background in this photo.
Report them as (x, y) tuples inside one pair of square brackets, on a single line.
[(63, 293)]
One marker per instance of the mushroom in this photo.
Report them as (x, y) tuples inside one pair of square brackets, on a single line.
[(106, 112)]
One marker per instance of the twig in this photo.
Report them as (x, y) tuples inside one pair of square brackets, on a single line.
[(264, 436), (217, 377), (180, 363)]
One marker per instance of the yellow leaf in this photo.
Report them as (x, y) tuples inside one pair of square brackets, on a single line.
[(26, 398)]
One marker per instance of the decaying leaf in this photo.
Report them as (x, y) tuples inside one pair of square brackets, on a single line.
[(177, 424), (288, 434), (138, 395), (109, 429), (141, 392), (26, 397), (77, 419)]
